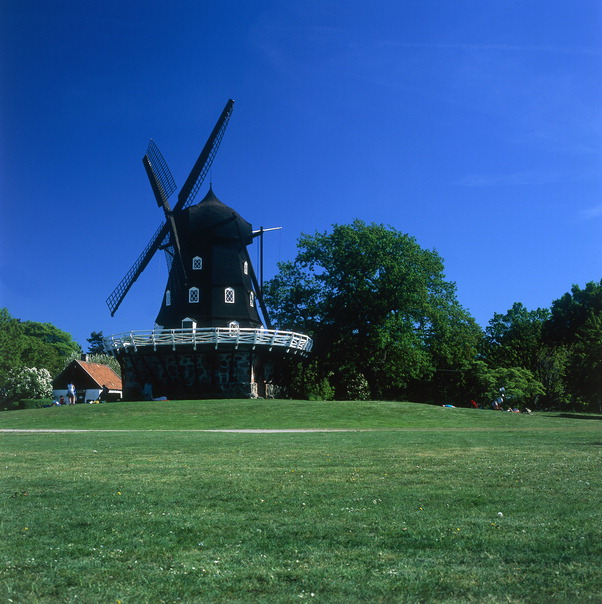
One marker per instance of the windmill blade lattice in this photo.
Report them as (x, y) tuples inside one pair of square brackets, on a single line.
[(162, 181), (163, 185)]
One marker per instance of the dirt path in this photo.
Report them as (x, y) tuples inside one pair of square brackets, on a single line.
[(244, 431), (297, 430)]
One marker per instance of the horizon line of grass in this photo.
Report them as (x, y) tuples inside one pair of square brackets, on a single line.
[(277, 414)]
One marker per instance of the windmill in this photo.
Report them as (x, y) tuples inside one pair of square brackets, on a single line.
[(212, 303)]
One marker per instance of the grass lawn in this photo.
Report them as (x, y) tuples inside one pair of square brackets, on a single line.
[(405, 508)]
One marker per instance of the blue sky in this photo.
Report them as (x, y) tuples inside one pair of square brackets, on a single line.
[(475, 127)]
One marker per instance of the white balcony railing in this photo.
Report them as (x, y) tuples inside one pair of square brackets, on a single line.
[(209, 336)]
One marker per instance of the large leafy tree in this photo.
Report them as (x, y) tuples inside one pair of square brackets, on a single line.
[(573, 329), (47, 346), (560, 345), (585, 363), (378, 306), (519, 385), (12, 343), (514, 339), (571, 311), (32, 344)]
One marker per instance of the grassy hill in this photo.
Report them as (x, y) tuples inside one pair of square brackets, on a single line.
[(414, 503), (269, 414)]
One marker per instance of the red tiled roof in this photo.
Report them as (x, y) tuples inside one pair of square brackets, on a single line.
[(103, 375)]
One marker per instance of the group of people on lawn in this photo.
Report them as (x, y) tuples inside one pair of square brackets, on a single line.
[(71, 395), (498, 405)]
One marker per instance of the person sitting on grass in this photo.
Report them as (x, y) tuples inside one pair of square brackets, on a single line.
[(498, 403)]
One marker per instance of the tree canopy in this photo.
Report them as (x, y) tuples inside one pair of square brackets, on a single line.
[(32, 345), (514, 339), (95, 342), (378, 305), (560, 346), (386, 323), (570, 313), (46, 346)]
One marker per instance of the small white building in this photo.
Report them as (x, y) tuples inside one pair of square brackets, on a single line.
[(89, 380)]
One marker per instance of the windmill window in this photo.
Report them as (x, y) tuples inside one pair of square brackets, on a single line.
[(229, 295), (167, 298), (188, 323), (193, 295), (234, 327), (245, 267), (197, 263), (252, 299)]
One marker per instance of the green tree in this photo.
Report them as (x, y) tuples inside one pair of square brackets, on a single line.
[(573, 330), (519, 384), (571, 311), (378, 306), (514, 339), (552, 364), (31, 346), (585, 363), (12, 343), (95, 342), (47, 346)]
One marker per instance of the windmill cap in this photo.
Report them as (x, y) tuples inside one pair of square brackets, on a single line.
[(214, 218)]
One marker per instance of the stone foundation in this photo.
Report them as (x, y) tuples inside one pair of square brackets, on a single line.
[(198, 374)]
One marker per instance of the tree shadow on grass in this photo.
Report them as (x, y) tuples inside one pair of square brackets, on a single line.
[(580, 416)]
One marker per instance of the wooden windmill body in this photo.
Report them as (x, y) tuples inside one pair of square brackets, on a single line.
[(212, 335)]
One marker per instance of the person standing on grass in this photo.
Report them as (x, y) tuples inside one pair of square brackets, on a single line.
[(71, 393), (103, 397)]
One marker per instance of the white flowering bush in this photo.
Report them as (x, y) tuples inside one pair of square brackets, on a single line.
[(27, 383)]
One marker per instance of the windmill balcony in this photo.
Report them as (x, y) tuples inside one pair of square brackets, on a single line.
[(210, 337)]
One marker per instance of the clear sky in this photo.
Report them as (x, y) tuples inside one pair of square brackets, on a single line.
[(475, 127)]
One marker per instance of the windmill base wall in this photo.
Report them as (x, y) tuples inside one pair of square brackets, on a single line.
[(198, 374)]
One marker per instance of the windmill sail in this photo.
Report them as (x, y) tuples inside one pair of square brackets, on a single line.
[(203, 163), (158, 173), (118, 294), (163, 185)]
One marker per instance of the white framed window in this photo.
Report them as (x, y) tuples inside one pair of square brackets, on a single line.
[(197, 263), (251, 299), (229, 295), (245, 267), (194, 295), (167, 298)]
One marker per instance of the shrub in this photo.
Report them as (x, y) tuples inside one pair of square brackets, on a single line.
[(520, 387), (34, 403), (27, 383)]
